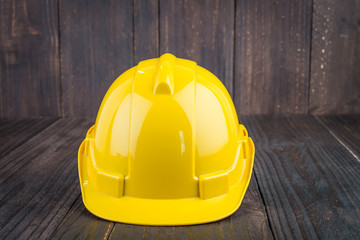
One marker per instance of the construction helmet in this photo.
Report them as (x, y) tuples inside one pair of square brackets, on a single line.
[(166, 148)]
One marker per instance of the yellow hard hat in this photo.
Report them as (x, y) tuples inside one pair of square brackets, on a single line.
[(166, 148)]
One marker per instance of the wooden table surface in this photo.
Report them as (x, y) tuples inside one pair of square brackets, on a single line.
[(305, 184)]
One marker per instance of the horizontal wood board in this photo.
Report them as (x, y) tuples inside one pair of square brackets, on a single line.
[(309, 181), (346, 128), (305, 184), (16, 132), (39, 181)]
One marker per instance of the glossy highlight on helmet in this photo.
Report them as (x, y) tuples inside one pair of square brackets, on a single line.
[(166, 148)]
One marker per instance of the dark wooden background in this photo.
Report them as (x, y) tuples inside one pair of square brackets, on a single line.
[(58, 57)]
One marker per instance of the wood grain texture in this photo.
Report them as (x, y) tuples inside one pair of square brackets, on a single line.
[(79, 223), (346, 129), (146, 30), (29, 59), (272, 56), (310, 182), (58, 58), (335, 58), (201, 31), (13, 133), (38, 181), (96, 47)]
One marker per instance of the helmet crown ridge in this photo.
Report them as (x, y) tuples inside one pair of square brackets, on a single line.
[(164, 76)]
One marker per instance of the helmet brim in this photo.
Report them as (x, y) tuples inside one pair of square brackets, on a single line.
[(159, 212)]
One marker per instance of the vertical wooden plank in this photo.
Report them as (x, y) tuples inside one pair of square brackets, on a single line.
[(335, 57), (29, 68), (272, 56), (146, 30), (201, 31), (96, 47)]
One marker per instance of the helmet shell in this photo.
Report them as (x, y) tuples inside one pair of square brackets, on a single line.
[(166, 133)]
